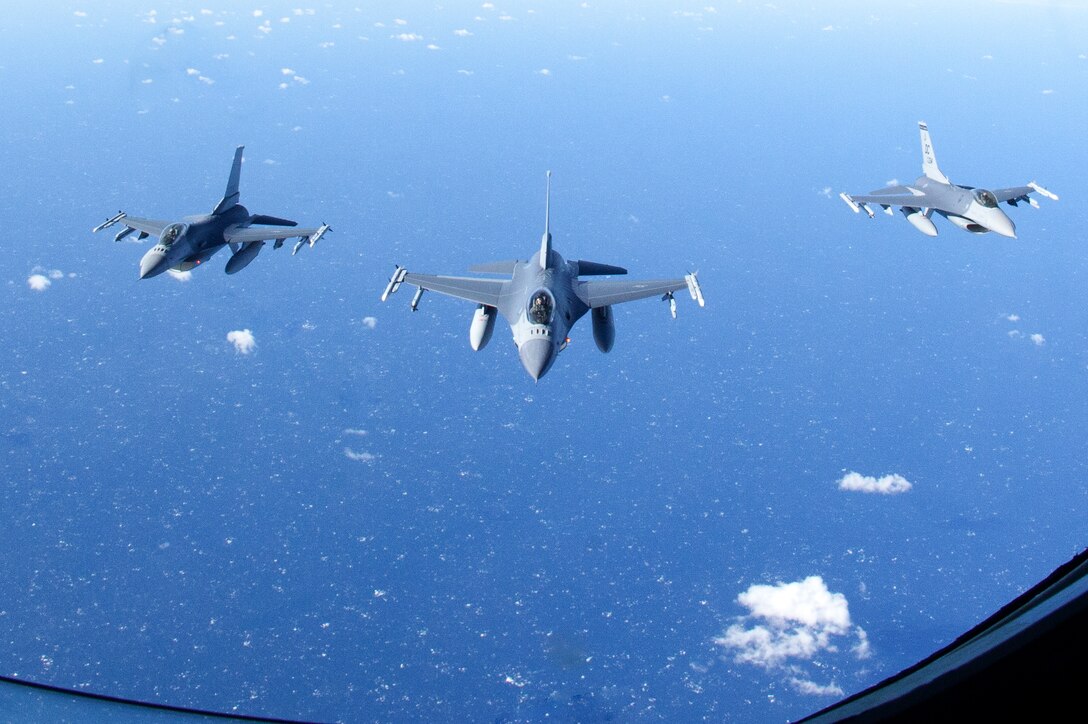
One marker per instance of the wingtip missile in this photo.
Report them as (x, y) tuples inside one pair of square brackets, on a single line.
[(1039, 189), (108, 222), (855, 206), (694, 289), (394, 282), (123, 233), (316, 236)]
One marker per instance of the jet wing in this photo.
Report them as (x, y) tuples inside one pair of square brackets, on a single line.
[(250, 234), (146, 227), (1017, 194), (894, 196), (597, 293), (481, 291)]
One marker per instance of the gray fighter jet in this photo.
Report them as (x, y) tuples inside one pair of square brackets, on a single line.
[(542, 299), (972, 209), (192, 241)]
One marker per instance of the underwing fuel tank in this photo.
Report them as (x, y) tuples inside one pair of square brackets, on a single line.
[(920, 221), (604, 328), (241, 259), (483, 324)]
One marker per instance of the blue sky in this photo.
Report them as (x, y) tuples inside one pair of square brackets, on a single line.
[(273, 493)]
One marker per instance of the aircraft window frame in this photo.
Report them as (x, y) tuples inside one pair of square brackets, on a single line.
[(543, 313)]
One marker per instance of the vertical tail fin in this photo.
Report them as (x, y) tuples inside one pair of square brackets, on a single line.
[(546, 242), (230, 196), (929, 159)]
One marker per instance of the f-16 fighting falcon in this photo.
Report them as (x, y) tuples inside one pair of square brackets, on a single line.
[(972, 209), (542, 299), (192, 241)]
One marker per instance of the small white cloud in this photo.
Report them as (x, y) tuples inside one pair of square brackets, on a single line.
[(243, 341), (462, 71), (192, 71), (804, 686), (1012, 317), (38, 282), (544, 71), (1048, 91), (363, 457), (826, 191), (408, 37), (789, 624), (287, 71), (884, 485), (98, 61), (180, 276), (370, 322), (55, 274), (400, 21), (1015, 334), (258, 13), (80, 14), (1038, 340), (432, 46), (462, 32)]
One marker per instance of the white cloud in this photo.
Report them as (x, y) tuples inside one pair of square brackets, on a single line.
[(462, 32), (885, 484), (791, 623), (1038, 339), (243, 340), (180, 276), (38, 282), (370, 322), (544, 71), (1012, 317), (804, 686), (408, 37), (363, 457)]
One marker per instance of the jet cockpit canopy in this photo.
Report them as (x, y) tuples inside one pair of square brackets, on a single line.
[(541, 307), (986, 198), (172, 233)]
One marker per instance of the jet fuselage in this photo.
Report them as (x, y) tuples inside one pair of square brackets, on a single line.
[(202, 236)]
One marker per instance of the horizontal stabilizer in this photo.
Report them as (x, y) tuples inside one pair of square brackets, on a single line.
[(495, 267), (271, 220), (596, 269)]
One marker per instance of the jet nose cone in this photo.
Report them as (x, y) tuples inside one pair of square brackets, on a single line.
[(536, 356), (153, 263), (1003, 225)]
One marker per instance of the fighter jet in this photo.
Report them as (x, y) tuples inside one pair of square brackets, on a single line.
[(192, 241), (972, 209), (542, 298)]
